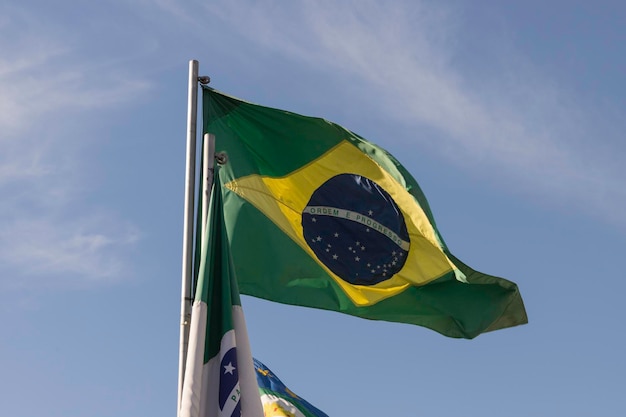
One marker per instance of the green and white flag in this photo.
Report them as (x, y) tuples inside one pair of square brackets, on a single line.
[(219, 375)]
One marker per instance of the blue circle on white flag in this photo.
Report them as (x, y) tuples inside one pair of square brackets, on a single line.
[(356, 230)]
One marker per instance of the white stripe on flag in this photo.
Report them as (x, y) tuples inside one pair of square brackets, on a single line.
[(250, 400)]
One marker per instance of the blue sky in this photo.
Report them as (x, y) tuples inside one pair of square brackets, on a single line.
[(510, 115)]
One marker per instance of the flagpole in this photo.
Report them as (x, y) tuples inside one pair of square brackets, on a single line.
[(187, 264)]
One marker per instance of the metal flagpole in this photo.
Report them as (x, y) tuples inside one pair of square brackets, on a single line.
[(188, 223)]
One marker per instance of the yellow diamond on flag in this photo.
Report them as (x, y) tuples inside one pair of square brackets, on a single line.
[(287, 199)]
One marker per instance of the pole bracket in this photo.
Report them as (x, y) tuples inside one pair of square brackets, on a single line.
[(221, 158)]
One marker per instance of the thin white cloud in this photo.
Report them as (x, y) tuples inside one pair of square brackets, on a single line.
[(44, 85), (517, 122), (42, 70), (52, 251), (48, 236)]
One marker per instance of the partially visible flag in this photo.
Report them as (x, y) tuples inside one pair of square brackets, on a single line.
[(317, 216), (278, 400), (219, 375)]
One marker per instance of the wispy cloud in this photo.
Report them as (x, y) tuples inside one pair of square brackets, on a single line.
[(42, 70), (52, 251), (47, 91), (44, 86), (513, 120)]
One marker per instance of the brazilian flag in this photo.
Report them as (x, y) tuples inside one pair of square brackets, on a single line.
[(318, 216)]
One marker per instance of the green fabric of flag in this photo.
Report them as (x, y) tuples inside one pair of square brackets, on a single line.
[(318, 216)]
